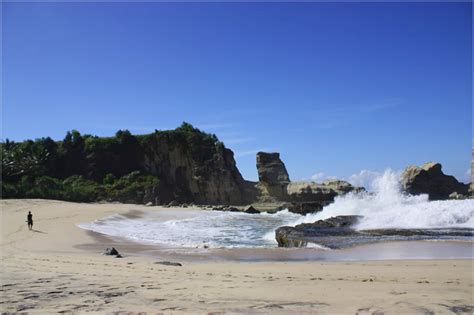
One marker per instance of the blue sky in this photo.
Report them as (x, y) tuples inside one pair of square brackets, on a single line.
[(336, 88)]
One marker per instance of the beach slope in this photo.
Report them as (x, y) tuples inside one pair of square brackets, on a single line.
[(48, 270)]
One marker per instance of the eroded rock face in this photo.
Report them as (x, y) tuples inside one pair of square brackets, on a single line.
[(430, 179), (205, 175), (309, 197), (311, 191), (271, 169)]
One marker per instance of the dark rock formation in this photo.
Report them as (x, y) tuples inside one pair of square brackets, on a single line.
[(271, 169), (251, 210), (300, 235), (429, 179), (273, 177), (339, 232), (304, 208)]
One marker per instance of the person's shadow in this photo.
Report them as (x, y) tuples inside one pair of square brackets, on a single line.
[(38, 231)]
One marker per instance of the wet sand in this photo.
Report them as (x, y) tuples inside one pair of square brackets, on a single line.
[(58, 268)]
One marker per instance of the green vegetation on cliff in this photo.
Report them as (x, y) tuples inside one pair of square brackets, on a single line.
[(157, 167)]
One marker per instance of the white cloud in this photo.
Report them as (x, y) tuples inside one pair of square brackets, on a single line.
[(321, 177)]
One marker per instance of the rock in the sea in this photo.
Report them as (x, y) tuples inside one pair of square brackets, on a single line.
[(251, 210), (271, 169), (340, 232), (300, 235), (309, 197), (429, 179), (304, 208)]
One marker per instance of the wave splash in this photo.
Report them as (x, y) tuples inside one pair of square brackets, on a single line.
[(389, 207), (196, 228)]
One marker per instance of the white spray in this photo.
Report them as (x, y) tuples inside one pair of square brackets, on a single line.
[(388, 207)]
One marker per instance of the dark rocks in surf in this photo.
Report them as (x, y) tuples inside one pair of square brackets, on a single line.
[(304, 208), (339, 232), (430, 179), (300, 235), (251, 210)]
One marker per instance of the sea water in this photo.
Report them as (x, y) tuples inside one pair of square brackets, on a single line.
[(385, 207), (196, 228)]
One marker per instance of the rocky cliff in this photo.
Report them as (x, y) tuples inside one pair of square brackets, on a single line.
[(206, 174), (184, 165)]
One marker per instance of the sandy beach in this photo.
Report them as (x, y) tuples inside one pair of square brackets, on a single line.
[(58, 268)]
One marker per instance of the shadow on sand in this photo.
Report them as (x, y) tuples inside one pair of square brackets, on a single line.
[(38, 231)]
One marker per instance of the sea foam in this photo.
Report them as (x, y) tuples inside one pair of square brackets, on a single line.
[(388, 207)]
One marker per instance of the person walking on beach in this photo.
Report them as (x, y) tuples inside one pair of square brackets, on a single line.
[(29, 218)]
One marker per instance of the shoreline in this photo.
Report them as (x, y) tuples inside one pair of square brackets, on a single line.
[(45, 272), (377, 251), (382, 251)]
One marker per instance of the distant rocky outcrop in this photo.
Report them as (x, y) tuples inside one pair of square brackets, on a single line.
[(299, 197), (339, 232), (308, 197), (430, 179), (272, 175), (271, 169)]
